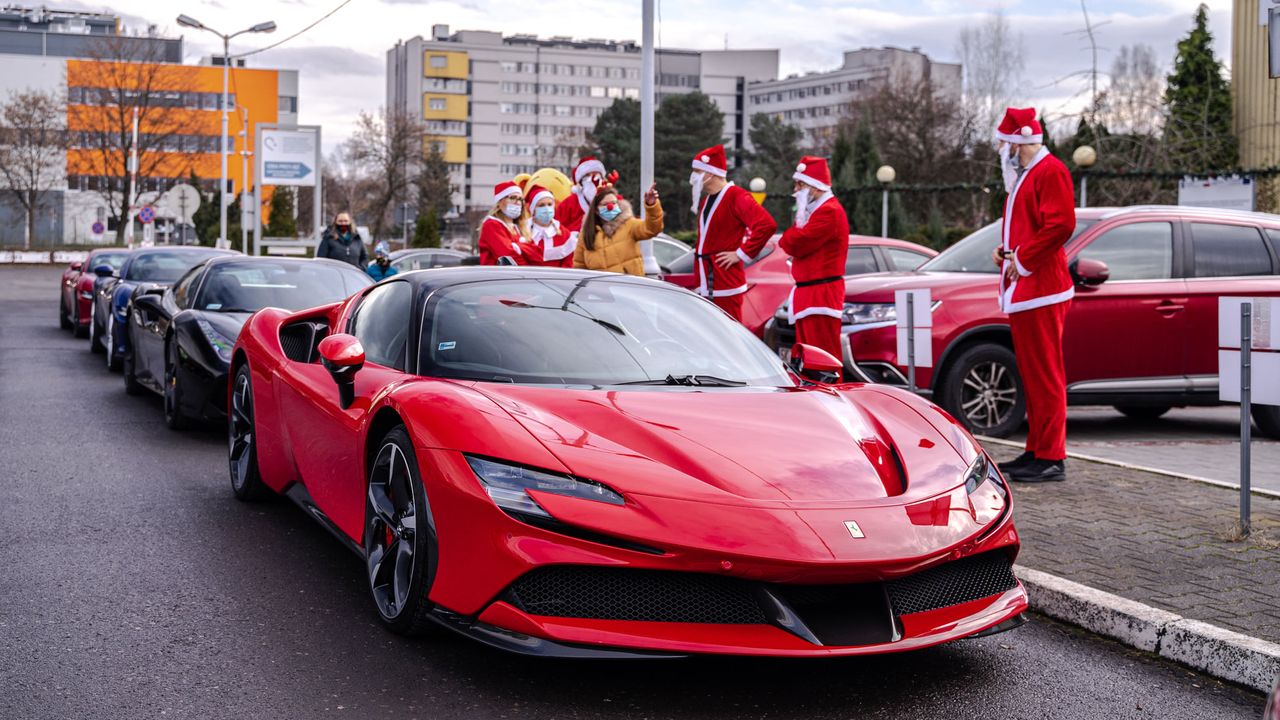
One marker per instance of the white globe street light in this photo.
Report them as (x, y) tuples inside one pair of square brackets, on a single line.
[(1084, 157), (757, 184), (885, 174)]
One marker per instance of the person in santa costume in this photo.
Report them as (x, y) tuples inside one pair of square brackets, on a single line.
[(588, 176), (500, 235), (733, 231), (817, 244), (1036, 287), (549, 243)]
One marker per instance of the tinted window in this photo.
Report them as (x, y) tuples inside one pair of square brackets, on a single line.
[(182, 288), (973, 254), (113, 259), (902, 260), (1275, 240), (254, 284), (1138, 251), (1228, 250), (597, 332), (161, 267), (860, 260), (682, 265), (382, 324), (426, 261), (667, 252)]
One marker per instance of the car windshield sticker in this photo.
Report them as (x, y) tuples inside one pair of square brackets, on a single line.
[(447, 345), (214, 306)]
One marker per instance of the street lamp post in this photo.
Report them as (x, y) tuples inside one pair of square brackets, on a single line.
[(758, 187), (266, 27), (1084, 157), (885, 174)]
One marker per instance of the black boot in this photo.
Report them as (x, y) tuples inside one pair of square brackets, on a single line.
[(1017, 463), (1038, 471)]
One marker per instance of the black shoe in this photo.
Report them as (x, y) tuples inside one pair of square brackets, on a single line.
[(1021, 461), (1038, 471)]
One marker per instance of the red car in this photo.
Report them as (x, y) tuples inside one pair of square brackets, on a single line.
[(769, 281), (570, 463), (75, 305), (1141, 333)]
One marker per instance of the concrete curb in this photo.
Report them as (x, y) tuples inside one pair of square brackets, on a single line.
[(1210, 649)]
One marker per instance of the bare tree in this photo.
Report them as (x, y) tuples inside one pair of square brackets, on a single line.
[(33, 139), (991, 55), (1133, 103), (126, 78), (385, 146)]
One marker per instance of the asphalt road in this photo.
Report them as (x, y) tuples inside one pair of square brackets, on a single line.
[(132, 585)]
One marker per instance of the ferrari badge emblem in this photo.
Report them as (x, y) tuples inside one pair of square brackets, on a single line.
[(853, 529)]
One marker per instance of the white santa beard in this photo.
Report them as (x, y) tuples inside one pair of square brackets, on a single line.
[(696, 181)]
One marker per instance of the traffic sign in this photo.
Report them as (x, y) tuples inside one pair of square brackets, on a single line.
[(288, 156), (98, 228), (147, 214), (181, 201), (284, 171)]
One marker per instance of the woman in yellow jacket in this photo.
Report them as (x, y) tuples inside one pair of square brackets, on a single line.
[(611, 236)]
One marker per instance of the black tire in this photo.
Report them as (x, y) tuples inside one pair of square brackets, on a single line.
[(174, 417), (131, 384), (78, 330), (1268, 419), (1143, 412), (113, 359), (242, 450), (965, 385), (95, 332), (64, 315), (400, 556)]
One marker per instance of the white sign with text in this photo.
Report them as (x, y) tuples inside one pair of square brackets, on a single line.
[(922, 310)]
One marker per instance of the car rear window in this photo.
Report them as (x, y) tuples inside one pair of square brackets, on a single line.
[(860, 260), (1228, 251)]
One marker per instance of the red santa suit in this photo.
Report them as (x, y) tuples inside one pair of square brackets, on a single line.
[(730, 221), (497, 238), (549, 245), (571, 210), (817, 243), (1039, 218)]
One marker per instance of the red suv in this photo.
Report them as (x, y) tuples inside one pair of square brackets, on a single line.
[(1141, 333)]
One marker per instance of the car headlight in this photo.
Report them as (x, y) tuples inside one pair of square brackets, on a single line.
[(221, 343), (508, 487), (867, 313), (988, 495)]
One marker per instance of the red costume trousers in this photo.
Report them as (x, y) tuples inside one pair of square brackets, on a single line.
[(731, 304), (820, 331), (1037, 344)]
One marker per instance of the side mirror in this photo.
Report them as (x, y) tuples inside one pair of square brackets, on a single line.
[(1089, 272), (76, 265), (343, 356), (103, 271), (815, 364), (148, 306)]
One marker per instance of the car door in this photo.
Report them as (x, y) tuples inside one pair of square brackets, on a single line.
[(1223, 259), (326, 437), (1133, 325), (860, 260)]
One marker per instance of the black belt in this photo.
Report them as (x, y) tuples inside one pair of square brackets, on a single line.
[(711, 270), (819, 281)]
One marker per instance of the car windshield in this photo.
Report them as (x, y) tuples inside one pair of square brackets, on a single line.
[(682, 265), (161, 267), (590, 331), (290, 285), (112, 259), (973, 254)]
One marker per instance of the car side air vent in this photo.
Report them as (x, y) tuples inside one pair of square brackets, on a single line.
[(301, 339)]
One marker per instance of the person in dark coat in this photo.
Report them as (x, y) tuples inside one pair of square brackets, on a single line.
[(340, 241)]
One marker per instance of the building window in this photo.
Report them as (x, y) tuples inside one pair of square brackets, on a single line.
[(436, 104), (439, 61), (508, 66), (288, 104), (633, 93)]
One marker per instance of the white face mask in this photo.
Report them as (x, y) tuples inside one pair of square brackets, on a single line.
[(695, 180), (511, 210)]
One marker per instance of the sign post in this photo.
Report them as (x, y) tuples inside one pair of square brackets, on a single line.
[(914, 312), (1248, 338), (288, 155)]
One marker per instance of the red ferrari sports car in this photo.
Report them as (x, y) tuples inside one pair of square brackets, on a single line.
[(571, 463)]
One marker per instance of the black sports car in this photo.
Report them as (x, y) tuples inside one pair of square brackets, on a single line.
[(181, 337), (143, 269)]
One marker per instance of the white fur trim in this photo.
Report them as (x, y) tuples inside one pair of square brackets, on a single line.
[(706, 167), (587, 168), (1020, 139), (799, 175), (793, 316), (1010, 307), (1021, 270), (698, 267), (801, 167), (730, 291), (508, 192), (533, 201)]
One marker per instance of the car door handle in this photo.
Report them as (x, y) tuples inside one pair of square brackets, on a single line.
[(1168, 307)]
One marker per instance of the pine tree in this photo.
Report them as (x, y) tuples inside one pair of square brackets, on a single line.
[(426, 231), (777, 150), (841, 150), (282, 224), (1197, 100), (205, 218), (616, 137), (686, 123)]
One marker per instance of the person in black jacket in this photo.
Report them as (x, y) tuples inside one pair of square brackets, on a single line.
[(340, 241)]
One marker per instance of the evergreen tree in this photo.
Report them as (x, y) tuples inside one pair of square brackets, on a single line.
[(1197, 100), (205, 218), (617, 139), (777, 150), (435, 190), (841, 150), (426, 231), (687, 123), (282, 224)]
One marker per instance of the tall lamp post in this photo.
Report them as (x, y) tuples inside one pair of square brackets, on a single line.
[(758, 186), (1084, 157), (266, 27), (885, 175)]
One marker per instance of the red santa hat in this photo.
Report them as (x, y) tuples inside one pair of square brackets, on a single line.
[(813, 171), (1020, 127), (505, 190), (535, 193), (585, 167), (712, 160)]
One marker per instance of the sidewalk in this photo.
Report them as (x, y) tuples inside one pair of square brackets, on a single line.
[(1165, 542)]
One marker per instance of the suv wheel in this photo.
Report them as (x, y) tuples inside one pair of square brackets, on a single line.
[(1268, 419), (982, 389)]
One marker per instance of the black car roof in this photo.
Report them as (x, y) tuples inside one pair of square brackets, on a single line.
[(437, 278)]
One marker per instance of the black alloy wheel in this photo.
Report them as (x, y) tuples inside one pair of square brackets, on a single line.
[(982, 389), (128, 368), (399, 537), (64, 315), (174, 417), (242, 453)]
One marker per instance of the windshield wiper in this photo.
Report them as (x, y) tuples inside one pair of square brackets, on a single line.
[(689, 380), (616, 329), (230, 310)]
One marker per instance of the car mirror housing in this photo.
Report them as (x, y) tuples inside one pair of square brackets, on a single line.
[(103, 271), (76, 265), (816, 364), (343, 356), (1089, 272)]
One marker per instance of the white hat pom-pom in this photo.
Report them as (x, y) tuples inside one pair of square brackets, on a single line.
[(1026, 131), (704, 158), (800, 167)]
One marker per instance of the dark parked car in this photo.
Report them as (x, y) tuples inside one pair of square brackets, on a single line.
[(78, 281), (181, 337)]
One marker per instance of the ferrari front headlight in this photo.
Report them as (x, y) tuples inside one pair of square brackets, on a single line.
[(988, 495), (220, 343), (508, 486)]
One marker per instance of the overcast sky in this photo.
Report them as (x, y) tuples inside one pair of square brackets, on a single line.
[(342, 60)]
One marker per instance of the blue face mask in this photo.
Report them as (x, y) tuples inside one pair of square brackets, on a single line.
[(609, 215), (544, 215)]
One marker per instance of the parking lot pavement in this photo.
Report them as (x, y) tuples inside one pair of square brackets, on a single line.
[(133, 586), (1199, 441)]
